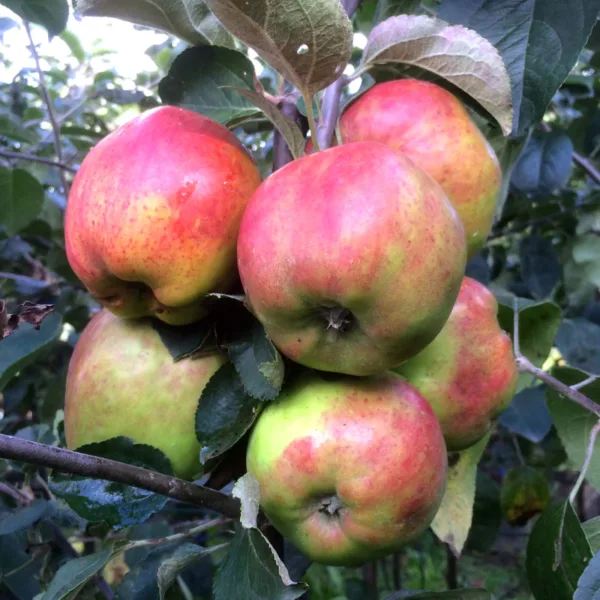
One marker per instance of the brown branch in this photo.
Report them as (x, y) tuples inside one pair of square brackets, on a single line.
[(49, 107), (38, 159), (95, 467)]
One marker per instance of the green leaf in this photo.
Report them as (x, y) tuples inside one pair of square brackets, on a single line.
[(540, 266), (22, 199), (224, 414), (308, 41), (290, 132), (169, 569), (508, 151), (22, 518), (190, 20), (24, 583), (591, 529), (545, 164), (257, 362), (251, 571), (117, 504), (557, 553), (538, 324), (453, 519), (524, 494), (52, 14), (182, 342), (528, 415), (539, 40), (73, 575), (74, 44), (23, 346), (574, 423), (141, 582), (579, 342), (198, 80), (588, 586), (455, 54), (392, 8), (11, 129)]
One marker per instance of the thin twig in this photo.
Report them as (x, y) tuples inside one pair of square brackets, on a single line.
[(281, 152), (588, 459), (49, 107), (525, 365), (38, 159), (590, 379), (102, 468), (177, 536)]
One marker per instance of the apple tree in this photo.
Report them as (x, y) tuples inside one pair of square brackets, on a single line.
[(312, 314)]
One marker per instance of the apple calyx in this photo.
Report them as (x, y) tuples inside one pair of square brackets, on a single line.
[(331, 506), (337, 318)]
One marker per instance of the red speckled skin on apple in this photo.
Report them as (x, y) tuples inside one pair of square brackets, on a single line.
[(374, 443), (153, 216), (358, 227), (468, 373)]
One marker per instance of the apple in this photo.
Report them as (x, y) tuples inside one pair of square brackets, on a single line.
[(468, 373), (351, 258), (350, 469), (153, 215), (122, 381), (433, 128)]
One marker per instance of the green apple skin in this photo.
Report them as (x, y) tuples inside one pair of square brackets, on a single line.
[(153, 215), (350, 469), (432, 128), (468, 373), (122, 381), (351, 258)]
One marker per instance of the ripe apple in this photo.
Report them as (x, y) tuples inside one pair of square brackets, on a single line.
[(153, 215), (122, 381), (468, 373), (433, 128), (351, 258), (350, 469)]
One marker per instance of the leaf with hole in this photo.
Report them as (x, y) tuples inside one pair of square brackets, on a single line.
[(452, 53)]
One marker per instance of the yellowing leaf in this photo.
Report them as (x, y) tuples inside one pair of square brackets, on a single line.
[(453, 520)]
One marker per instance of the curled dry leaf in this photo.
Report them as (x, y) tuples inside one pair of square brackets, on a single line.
[(452, 52), (28, 312)]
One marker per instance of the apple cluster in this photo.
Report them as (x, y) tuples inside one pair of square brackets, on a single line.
[(353, 259)]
